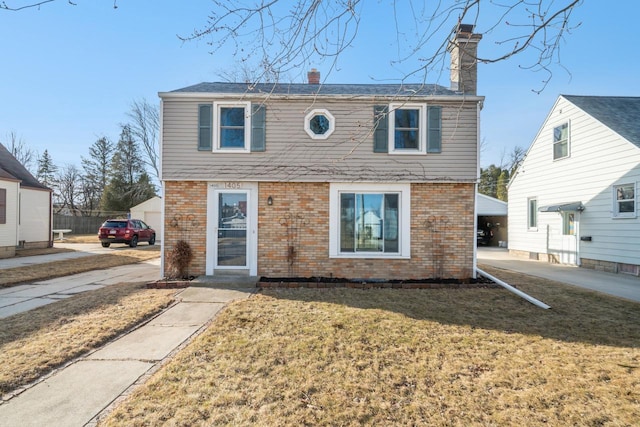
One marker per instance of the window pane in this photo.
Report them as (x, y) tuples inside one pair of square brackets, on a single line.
[(533, 213), (232, 116), (406, 139), (369, 222), (347, 222), (391, 223), (626, 207), (560, 150), (561, 133), (406, 118), (231, 138), (319, 124), (625, 193)]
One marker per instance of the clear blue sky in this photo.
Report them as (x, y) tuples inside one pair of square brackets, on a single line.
[(68, 74)]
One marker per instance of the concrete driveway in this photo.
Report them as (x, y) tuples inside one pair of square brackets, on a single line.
[(619, 285)]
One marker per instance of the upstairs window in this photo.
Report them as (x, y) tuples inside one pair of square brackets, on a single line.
[(405, 128), (624, 201), (232, 126), (561, 141)]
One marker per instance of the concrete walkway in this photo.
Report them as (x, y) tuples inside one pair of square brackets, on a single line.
[(78, 394), (17, 299), (619, 285)]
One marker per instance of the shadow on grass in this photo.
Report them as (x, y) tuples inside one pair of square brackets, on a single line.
[(22, 325), (576, 315)]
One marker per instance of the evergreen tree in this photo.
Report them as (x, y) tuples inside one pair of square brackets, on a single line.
[(46, 170), (96, 172), (129, 184), (488, 184)]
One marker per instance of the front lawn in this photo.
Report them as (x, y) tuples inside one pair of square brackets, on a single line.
[(405, 357)]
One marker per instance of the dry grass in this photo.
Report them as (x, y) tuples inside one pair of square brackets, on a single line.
[(405, 357), (80, 238), (50, 270), (35, 342)]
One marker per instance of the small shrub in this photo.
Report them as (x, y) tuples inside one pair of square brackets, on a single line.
[(179, 259)]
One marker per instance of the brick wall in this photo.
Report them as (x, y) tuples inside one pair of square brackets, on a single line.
[(442, 224), (186, 218), (293, 236)]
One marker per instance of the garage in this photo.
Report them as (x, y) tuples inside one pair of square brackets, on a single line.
[(492, 221)]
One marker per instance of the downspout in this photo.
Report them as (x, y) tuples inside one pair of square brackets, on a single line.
[(162, 198), (475, 193), (50, 218), (510, 288)]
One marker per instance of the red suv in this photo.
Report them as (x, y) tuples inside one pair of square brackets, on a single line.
[(129, 231)]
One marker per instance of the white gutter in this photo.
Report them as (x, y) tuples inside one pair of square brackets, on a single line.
[(510, 288)]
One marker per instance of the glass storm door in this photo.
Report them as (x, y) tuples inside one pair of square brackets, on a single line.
[(232, 229)]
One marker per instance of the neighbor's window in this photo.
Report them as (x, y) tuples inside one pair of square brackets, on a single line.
[(369, 220), (624, 201), (561, 141), (232, 126), (532, 214), (319, 124)]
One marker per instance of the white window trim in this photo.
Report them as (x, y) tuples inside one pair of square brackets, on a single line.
[(422, 131), (553, 143), (404, 226), (529, 228), (319, 112), (247, 126), (624, 215)]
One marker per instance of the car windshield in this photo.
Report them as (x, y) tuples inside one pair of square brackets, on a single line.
[(115, 224)]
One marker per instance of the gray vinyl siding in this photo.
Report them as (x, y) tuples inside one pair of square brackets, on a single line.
[(599, 159), (291, 155)]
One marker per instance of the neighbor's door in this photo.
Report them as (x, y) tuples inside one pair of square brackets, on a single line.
[(569, 252), (231, 231)]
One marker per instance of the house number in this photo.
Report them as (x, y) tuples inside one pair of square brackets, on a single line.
[(233, 185)]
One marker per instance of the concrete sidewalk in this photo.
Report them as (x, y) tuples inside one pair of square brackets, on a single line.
[(619, 285), (78, 394)]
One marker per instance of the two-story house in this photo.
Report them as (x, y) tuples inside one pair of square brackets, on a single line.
[(372, 181), (573, 200)]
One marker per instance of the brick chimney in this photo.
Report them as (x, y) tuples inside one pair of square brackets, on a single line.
[(314, 77), (464, 65)]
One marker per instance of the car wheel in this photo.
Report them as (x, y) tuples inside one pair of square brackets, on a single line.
[(152, 240), (134, 242), (106, 245)]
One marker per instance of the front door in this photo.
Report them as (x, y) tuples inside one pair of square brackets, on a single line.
[(231, 246)]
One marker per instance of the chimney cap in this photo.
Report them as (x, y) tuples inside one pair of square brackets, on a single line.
[(465, 28)]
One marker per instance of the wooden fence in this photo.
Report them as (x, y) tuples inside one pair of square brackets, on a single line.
[(80, 224)]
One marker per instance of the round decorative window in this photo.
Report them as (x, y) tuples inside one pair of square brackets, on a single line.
[(319, 124)]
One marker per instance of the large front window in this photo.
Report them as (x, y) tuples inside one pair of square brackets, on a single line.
[(232, 126), (369, 220)]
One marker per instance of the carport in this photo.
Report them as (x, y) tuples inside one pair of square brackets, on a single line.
[(492, 219)]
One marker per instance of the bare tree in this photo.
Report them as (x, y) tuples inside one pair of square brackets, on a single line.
[(18, 147), (69, 186), (282, 37), (144, 127)]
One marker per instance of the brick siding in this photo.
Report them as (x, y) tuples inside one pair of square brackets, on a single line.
[(293, 236)]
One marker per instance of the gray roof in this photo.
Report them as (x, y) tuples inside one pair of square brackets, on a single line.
[(323, 89), (619, 113), (11, 166)]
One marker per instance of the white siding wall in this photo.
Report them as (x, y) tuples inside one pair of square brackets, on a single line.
[(9, 231), (599, 159), (34, 215), (291, 155)]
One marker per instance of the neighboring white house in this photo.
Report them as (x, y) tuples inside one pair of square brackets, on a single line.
[(573, 200), (25, 207), (150, 211)]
